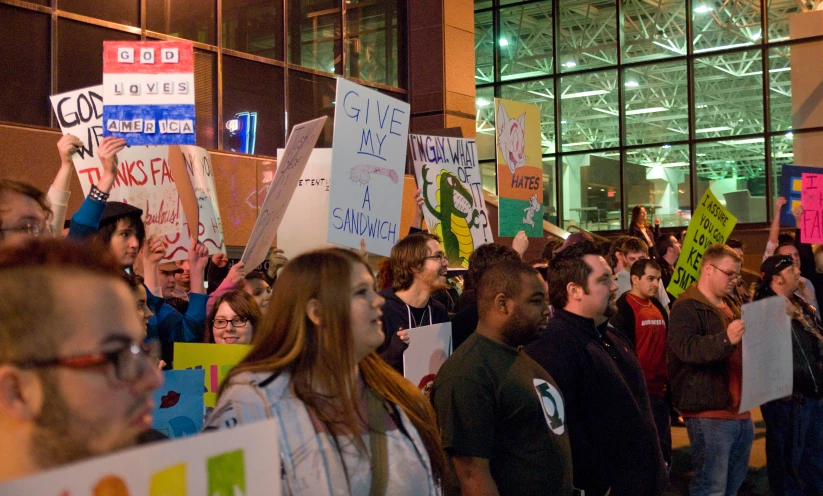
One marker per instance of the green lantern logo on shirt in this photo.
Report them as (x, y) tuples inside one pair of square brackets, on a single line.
[(552, 403)]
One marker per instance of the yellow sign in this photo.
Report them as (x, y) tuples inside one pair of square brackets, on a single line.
[(215, 359), (711, 224)]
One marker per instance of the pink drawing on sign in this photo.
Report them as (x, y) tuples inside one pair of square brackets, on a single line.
[(362, 173)]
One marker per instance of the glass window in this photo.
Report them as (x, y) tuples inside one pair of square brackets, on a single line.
[(254, 26), (729, 24), (482, 4), (311, 96), (728, 94), (656, 103), (25, 37), (252, 94), (782, 154), (371, 41), (658, 178), (488, 176), (483, 48), (550, 189), (587, 35), (120, 11), (485, 140), (778, 18), (539, 93), (780, 88), (589, 111), (205, 98), (190, 19), (654, 30), (590, 186), (735, 170), (526, 42), (315, 34), (80, 53)]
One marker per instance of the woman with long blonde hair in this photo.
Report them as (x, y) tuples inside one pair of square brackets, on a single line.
[(350, 424)]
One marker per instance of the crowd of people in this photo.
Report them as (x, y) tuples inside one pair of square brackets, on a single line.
[(564, 374)]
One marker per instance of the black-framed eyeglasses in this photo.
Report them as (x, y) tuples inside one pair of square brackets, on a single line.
[(130, 361), (31, 229), (730, 274), (235, 322), (440, 257)]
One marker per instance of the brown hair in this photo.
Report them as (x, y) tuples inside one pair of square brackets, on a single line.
[(718, 252), (25, 189), (324, 355), (634, 245), (615, 246), (406, 256), (569, 266), (635, 215), (242, 304)]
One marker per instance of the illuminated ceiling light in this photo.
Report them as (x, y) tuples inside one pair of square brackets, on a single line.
[(601, 189), (702, 9), (568, 61), (756, 36), (740, 120), (582, 94), (605, 111), (632, 84), (649, 110), (789, 134), (579, 143), (563, 122), (701, 154), (713, 129), (570, 64), (702, 106), (784, 155), (667, 145), (779, 69), (590, 187), (749, 141), (504, 42), (482, 102), (724, 47)]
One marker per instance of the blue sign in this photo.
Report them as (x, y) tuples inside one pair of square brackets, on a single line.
[(179, 408)]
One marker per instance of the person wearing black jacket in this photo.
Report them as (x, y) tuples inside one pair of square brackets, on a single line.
[(614, 442), (794, 434), (419, 268)]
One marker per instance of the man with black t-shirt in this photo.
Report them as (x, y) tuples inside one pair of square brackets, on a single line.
[(502, 416), (419, 268)]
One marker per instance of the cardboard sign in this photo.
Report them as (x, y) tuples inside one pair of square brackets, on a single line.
[(369, 151), (811, 230), (711, 224), (148, 92), (179, 409), (429, 347), (80, 113), (791, 188), (185, 190), (239, 461), (305, 223), (447, 172), (519, 168), (215, 359), (767, 353), (289, 169)]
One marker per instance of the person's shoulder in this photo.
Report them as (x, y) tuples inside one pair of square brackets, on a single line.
[(439, 312), (474, 359)]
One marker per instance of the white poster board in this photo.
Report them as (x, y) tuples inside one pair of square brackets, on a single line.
[(369, 161), (767, 352), (305, 222), (201, 172), (429, 347), (239, 461), (290, 168), (454, 208)]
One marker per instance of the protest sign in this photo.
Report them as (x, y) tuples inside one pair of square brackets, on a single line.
[(519, 168), (179, 409), (447, 172), (767, 352), (811, 230), (215, 359), (305, 222), (791, 188), (429, 347), (369, 160), (711, 224), (232, 462), (148, 92), (185, 190), (289, 170), (80, 113)]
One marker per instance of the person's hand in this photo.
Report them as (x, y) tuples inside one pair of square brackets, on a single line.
[(798, 214), (276, 261), (520, 243), (237, 273), (154, 251), (657, 221), (417, 218), (364, 252), (198, 256), (779, 203), (67, 146), (735, 331), (219, 260), (107, 153), (403, 335)]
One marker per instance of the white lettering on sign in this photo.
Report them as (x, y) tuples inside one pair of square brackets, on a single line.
[(170, 55), (147, 55), (125, 55)]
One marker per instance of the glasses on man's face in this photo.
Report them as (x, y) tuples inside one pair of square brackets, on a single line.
[(130, 361), (235, 322), (439, 257), (730, 274), (31, 229)]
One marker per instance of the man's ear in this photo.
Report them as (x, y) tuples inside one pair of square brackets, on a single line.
[(501, 303), (314, 312), (21, 394)]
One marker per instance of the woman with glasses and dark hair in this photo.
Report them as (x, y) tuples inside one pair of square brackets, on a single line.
[(233, 319), (349, 423)]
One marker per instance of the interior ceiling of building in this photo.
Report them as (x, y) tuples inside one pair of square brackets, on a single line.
[(728, 95)]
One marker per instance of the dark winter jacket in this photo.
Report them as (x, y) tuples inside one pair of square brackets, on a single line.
[(396, 317), (698, 349)]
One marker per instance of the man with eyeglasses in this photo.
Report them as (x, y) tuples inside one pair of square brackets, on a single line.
[(706, 372), (75, 380), (419, 269), (614, 442), (24, 213)]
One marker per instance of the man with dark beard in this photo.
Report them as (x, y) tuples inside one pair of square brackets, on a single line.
[(419, 267), (75, 381), (502, 417), (613, 437)]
